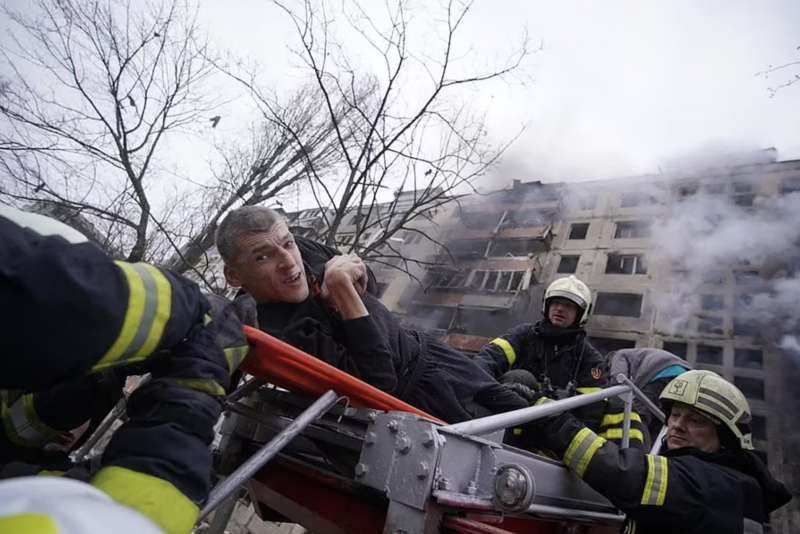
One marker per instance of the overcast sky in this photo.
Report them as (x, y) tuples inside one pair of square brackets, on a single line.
[(619, 88)]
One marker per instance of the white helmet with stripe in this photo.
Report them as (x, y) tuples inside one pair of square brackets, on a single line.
[(572, 289), (715, 397)]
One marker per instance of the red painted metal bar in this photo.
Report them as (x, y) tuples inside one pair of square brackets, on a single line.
[(289, 367)]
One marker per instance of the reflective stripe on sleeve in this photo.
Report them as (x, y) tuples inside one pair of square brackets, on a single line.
[(28, 524), (511, 356), (154, 497), (616, 433), (235, 356), (581, 450), (209, 386), (23, 426), (617, 418), (584, 391), (146, 317), (655, 487)]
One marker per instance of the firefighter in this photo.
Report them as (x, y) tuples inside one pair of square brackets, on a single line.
[(70, 311), (650, 370), (554, 351), (318, 300), (709, 479)]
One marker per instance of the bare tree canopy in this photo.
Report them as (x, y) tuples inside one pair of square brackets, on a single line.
[(405, 124), (94, 87)]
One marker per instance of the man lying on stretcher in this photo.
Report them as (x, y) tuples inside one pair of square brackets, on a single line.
[(310, 296)]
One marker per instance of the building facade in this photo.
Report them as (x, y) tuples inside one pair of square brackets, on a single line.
[(705, 264)]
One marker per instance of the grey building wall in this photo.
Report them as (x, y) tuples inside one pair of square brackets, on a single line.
[(688, 307)]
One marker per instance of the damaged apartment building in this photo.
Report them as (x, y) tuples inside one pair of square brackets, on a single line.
[(673, 262), (702, 263)]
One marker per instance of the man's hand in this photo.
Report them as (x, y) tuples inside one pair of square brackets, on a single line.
[(342, 270), (344, 282)]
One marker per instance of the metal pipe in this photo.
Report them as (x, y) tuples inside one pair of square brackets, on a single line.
[(626, 421), (245, 471), (456, 500), (245, 389), (115, 413), (485, 425), (622, 379)]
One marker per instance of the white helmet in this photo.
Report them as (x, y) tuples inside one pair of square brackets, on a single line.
[(573, 290), (49, 504), (42, 224), (721, 401)]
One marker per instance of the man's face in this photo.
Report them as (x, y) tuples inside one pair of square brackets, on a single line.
[(269, 267), (686, 427), (562, 312)]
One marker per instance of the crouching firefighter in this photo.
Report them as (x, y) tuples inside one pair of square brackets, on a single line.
[(708, 480), (554, 350), (70, 312)]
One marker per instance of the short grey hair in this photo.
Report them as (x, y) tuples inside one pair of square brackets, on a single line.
[(241, 222)]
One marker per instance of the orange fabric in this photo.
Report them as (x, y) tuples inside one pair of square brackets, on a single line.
[(286, 366)]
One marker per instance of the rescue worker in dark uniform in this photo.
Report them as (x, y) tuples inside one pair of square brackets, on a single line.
[(317, 300), (555, 352), (651, 370), (70, 311), (709, 479)]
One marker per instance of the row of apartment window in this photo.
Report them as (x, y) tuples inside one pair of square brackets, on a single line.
[(741, 193), (623, 230), (615, 264), (477, 279)]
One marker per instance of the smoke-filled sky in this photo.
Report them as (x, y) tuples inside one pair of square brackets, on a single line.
[(619, 88)]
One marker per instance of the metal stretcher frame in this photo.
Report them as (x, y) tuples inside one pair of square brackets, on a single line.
[(427, 470)]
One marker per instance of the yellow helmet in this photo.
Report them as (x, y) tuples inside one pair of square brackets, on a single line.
[(573, 290), (709, 393)]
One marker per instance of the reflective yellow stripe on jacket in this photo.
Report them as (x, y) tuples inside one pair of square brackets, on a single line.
[(581, 450), (22, 424), (235, 356), (616, 433), (655, 486), (618, 418), (507, 349), (156, 498), (149, 309), (28, 524)]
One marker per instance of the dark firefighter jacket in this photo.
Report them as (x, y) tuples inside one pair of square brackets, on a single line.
[(685, 490), (561, 360), (404, 363), (70, 311)]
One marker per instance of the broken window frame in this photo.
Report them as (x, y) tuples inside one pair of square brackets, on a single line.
[(575, 228), (747, 358), (710, 324), (611, 301), (637, 229), (566, 262), (345, 239), (710, 354), (790, 184), (685, 190), (635, 199), (678, 348), (482, 279), (712, 302), (752, 387), (628, 263)]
